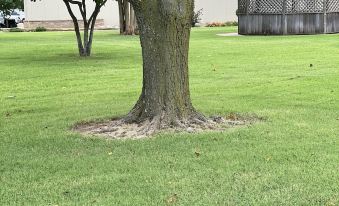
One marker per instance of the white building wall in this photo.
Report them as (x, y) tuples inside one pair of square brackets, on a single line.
[(55, 10), (217, 10)]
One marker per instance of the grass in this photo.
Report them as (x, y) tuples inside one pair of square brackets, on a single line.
[(292, 158)]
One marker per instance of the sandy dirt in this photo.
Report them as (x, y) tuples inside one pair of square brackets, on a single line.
[(118, 129)]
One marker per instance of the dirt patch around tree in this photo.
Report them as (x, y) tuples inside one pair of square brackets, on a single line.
[(119, 129)]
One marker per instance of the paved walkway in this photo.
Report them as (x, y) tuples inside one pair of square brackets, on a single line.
[(229, 34)]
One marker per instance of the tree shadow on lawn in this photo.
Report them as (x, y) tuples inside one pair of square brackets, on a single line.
[(71, 58)]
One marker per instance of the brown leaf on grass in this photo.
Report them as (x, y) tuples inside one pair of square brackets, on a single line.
[(197, 154), (172, 199), (232, 117)]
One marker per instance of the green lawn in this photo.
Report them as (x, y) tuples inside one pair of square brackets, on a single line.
[(291, 158)]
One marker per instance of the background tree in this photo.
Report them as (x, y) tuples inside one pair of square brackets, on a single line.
[(85, 41), (164, 27), (128, 22), (196, 18), (7, 7)]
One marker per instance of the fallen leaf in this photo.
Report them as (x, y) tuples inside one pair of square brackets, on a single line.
[(172, 199), (197, 153)]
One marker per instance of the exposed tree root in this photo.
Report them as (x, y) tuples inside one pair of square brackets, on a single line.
[(196, 123)]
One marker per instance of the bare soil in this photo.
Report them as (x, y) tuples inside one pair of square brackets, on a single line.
[(119, 129)]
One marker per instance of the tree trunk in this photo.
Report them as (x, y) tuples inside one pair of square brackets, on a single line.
[(85, 44), (164, 27), (128, 24), (79, 39), (121, 16), (91, 34), (126, 15)]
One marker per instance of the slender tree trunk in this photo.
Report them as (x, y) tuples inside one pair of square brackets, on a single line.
[(126, 15), (128, 23), (121, 16), (91, 33), (85, 44), (81, 48), (131, 25), (76, 28), (164, 33)]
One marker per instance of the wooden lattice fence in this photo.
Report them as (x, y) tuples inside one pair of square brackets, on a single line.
[(288, 16), (287, 6)]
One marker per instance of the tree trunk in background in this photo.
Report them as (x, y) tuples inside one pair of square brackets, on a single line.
[(128, 23), (85, 43), (131, 26), (164, 27), (121, 16)]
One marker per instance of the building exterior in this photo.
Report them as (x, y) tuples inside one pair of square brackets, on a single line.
[(217, 10), (276, 17), (53, 14)]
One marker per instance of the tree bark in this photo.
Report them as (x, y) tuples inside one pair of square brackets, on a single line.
[(76, 28), (92, 22), (129, 20), (128, 25), (121, 16), (164, 27)]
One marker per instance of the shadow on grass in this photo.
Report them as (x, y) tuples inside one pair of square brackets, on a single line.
[(67, 58)]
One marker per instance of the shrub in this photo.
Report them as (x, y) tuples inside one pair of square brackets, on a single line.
[(196, 18), (231, 23), (40, 29), (222, 24), (15, 30), (215, 24)]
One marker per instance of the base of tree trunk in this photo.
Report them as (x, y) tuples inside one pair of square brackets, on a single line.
[(122, 128)]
